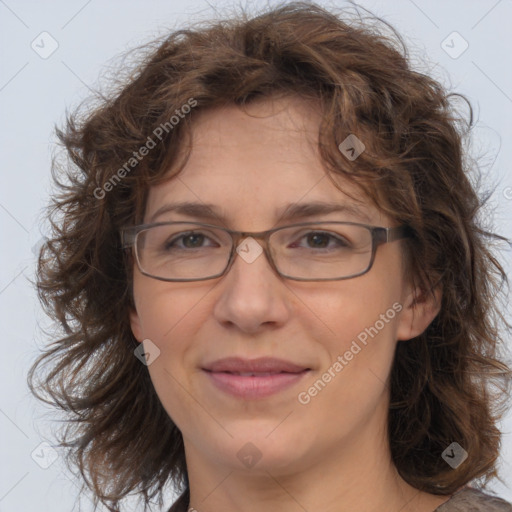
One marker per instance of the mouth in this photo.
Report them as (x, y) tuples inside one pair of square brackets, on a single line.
[(256, 378)]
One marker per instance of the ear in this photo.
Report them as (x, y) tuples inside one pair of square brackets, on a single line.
[(136, 325), (419, 309)]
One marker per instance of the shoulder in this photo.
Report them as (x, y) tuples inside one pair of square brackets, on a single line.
[(470, 499)]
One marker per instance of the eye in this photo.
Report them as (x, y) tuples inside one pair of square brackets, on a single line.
[(321, 239), (189, 240)]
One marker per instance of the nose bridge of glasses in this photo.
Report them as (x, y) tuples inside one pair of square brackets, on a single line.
[(240, 236), (260, 237), (249, 246)]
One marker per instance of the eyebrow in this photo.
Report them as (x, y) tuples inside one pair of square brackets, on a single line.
[(290, 212)]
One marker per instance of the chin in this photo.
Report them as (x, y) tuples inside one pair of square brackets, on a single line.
[(264, 446)]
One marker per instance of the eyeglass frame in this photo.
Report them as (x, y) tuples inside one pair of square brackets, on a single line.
[(379, 235)]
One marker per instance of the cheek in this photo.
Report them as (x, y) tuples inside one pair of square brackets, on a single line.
[(170, 318), (168, 311), (360, 347), (365, 346), (359, 310), (355, 323)]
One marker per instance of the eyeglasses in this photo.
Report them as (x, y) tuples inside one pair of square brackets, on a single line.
[(309, 251)]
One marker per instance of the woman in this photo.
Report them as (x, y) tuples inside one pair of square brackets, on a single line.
[(273, 287)]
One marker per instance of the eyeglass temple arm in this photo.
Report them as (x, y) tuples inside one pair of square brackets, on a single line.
[(127, 237), (398, 232)]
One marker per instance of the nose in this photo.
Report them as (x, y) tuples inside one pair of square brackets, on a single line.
[(252, 295)]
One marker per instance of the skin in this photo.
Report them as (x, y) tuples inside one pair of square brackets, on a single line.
[(325, 455)]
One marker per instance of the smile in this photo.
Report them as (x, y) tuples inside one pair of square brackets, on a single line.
[(254, 379)]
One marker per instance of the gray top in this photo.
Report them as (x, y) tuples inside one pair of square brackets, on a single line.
[(469, 499)]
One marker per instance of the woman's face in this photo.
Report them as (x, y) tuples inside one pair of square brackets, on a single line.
[(250, 167)]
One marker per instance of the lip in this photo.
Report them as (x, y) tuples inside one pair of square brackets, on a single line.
[(254, 378)]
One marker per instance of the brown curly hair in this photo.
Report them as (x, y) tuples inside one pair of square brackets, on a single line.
[(448, 384)]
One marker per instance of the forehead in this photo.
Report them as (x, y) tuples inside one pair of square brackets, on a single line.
[(271, 122), (250, 162)]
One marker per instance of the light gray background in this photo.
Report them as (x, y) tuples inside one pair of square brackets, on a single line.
[(34, 93)]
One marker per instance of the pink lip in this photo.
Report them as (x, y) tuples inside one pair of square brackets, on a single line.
[(271, 375)]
